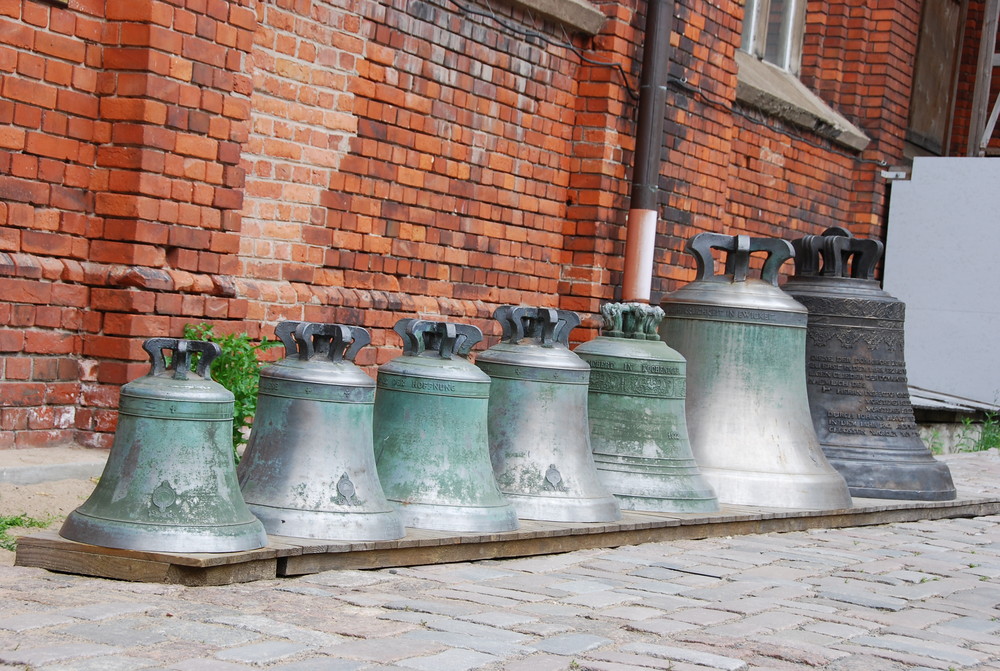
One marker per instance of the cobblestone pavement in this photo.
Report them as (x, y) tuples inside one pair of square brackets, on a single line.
[(922, 595)]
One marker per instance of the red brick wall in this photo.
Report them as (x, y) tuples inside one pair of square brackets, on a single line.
[(172, 162)]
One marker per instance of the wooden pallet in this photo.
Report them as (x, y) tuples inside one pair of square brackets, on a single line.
[(285, 556)]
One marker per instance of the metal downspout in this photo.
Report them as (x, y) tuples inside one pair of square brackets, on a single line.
[(643, 215)]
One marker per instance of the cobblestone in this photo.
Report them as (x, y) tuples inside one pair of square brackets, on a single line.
[(909, 596)]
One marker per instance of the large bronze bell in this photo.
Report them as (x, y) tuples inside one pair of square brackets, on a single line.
[(309, 467), (431, 443), (747, 408), (638, 430), (539, 432), (170, 482), (856, 374)]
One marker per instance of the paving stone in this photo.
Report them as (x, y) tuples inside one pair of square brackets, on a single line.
[(116, 632), (542, 628), (703, 616), (26, 621), (271, 627), (319, 664), (585, 586), (660, 626), (632, 613), (600, 599), (866, 599), (458, 626), (514, 595), (758, 624), (913, 646), (537, 662), (451, 608), (570, 644), (471, 642), (686, 655), (36, 656), (106, 663), (501, 619), (262, 653), (474, 597), (304, 590), (835, 630), (452, 660), (200, 664), (103, 611), (623, 661), (386, 650), (348, 578)]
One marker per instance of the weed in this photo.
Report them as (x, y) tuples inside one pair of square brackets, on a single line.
[(16, 522), (934, 442), (979, 436), (238, 370)]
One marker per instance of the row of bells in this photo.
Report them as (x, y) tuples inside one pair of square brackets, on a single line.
[(747, 410)]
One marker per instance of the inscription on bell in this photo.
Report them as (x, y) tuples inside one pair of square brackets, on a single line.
[(880, 408)]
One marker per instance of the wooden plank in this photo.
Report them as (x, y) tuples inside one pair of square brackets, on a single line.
[(294, 556)]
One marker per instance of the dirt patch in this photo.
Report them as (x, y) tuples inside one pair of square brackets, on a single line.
[(46, 501)]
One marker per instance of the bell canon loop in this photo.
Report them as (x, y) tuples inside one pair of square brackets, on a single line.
[(638, 429), (538, 427), (856, 373), (747, 408), (309, 467), (430, 426), (169, 484)]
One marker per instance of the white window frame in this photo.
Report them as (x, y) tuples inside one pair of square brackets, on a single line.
[(789, 39)]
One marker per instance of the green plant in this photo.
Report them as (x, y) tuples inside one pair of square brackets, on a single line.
[(238, 370), (16, 522), (934, 442), (979, 436)]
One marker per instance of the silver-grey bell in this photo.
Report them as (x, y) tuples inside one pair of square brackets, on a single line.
[(431, 443), (309, 467), (169, 484), (538, 426), (747, 406)]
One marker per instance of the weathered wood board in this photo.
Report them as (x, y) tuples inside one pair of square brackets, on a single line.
[(285, 556)]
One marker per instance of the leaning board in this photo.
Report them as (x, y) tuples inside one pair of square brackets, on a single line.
[(285, 556)]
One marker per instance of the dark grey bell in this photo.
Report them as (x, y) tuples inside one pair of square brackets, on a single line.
[(170, 482), (856, 372), (538, 426), (309, 467)]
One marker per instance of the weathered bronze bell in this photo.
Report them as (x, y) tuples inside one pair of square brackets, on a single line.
[(170, 482), (638, 430), (431, 444), (309, 467), (856, 374), (747, 409), (538, 427)]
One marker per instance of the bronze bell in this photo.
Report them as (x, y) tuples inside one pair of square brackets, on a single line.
[(538, 426), (170, 482), (747, 408), (431, 443), (856, 374), (638, 429), (309, 467)]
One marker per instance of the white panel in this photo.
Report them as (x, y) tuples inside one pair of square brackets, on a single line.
[(941, 259)]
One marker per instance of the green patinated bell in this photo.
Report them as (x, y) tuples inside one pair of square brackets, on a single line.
[(309, 467), (638, 430), (747, 407), (170, 482), (430, 429), (539, 435)]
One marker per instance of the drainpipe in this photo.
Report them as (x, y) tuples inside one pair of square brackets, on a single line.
[(643, 215)]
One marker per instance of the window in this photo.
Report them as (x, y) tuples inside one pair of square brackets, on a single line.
[(772, 31)]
